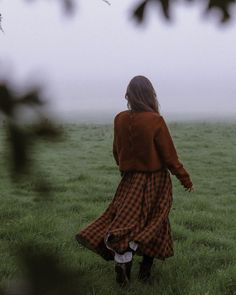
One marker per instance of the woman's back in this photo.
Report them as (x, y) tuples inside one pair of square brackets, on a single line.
[(142, 142), (134, 141)]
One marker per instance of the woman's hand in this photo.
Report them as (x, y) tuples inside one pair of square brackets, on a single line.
[(190, 189)]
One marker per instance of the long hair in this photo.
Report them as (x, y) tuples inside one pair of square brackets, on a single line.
[(141, 95)]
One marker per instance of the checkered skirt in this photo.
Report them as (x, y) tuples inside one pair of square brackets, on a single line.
[(138, 212)]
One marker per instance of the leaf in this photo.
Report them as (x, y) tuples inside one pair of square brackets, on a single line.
[(6, 100), (69, 6), (107, 2), (31, 98), (19, 142), (1, 29), (223, 6), (165, 8), (138, 13)]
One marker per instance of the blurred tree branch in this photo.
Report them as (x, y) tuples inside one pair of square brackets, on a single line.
[(1, 29), (43, 270), (225, 7), (21, 137)]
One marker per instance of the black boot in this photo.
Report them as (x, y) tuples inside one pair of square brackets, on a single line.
[(123, 271), (145, 269)]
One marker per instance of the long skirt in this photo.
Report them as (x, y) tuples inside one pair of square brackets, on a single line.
[(139, 213)]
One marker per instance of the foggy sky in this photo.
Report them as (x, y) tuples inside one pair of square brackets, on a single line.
[(86, 61)]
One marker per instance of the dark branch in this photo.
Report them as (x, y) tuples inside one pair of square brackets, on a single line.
[(1, 29)]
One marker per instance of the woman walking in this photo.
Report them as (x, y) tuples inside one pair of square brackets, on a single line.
[(136, 221)]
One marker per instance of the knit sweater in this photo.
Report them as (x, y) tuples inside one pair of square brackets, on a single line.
[(142, 142)]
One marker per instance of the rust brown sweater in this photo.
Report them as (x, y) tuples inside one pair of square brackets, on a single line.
[(142, 142)]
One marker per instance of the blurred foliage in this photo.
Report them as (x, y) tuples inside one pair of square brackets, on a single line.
[(21, 137), (224, 6), (46, 275), (1, 29), (42, 273)]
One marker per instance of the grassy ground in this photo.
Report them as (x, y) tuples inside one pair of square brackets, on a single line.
[(85, 177)]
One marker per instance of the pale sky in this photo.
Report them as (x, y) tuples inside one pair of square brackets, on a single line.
[(86, 61)]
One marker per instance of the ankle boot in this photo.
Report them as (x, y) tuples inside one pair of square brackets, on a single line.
[(145, 269), (123, 271)]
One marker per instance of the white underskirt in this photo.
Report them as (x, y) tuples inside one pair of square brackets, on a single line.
[(125, 257)]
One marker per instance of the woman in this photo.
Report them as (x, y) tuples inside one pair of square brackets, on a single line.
[(136, 221)]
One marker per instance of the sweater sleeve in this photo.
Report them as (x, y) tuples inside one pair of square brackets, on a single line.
[(167, 151), (115, 153)]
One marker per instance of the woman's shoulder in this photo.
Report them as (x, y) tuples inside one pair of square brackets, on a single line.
[(146, 116), (144, 113), (121, 114), (150, 116)]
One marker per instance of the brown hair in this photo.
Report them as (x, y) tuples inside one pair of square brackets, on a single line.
[(141, 95)]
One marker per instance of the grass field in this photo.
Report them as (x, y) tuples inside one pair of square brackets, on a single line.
[(85, 177)]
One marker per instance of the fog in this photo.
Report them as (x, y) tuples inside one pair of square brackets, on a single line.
[(85, 62)]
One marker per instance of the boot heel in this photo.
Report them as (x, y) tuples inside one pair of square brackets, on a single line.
[(123, 271), (144, 274)]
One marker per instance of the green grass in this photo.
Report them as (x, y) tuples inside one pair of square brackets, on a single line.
[(84, 178)]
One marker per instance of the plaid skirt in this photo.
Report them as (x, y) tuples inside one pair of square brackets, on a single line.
[(138, 212)]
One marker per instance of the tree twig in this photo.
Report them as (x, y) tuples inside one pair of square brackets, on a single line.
[(107, 2), (1, 29)]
